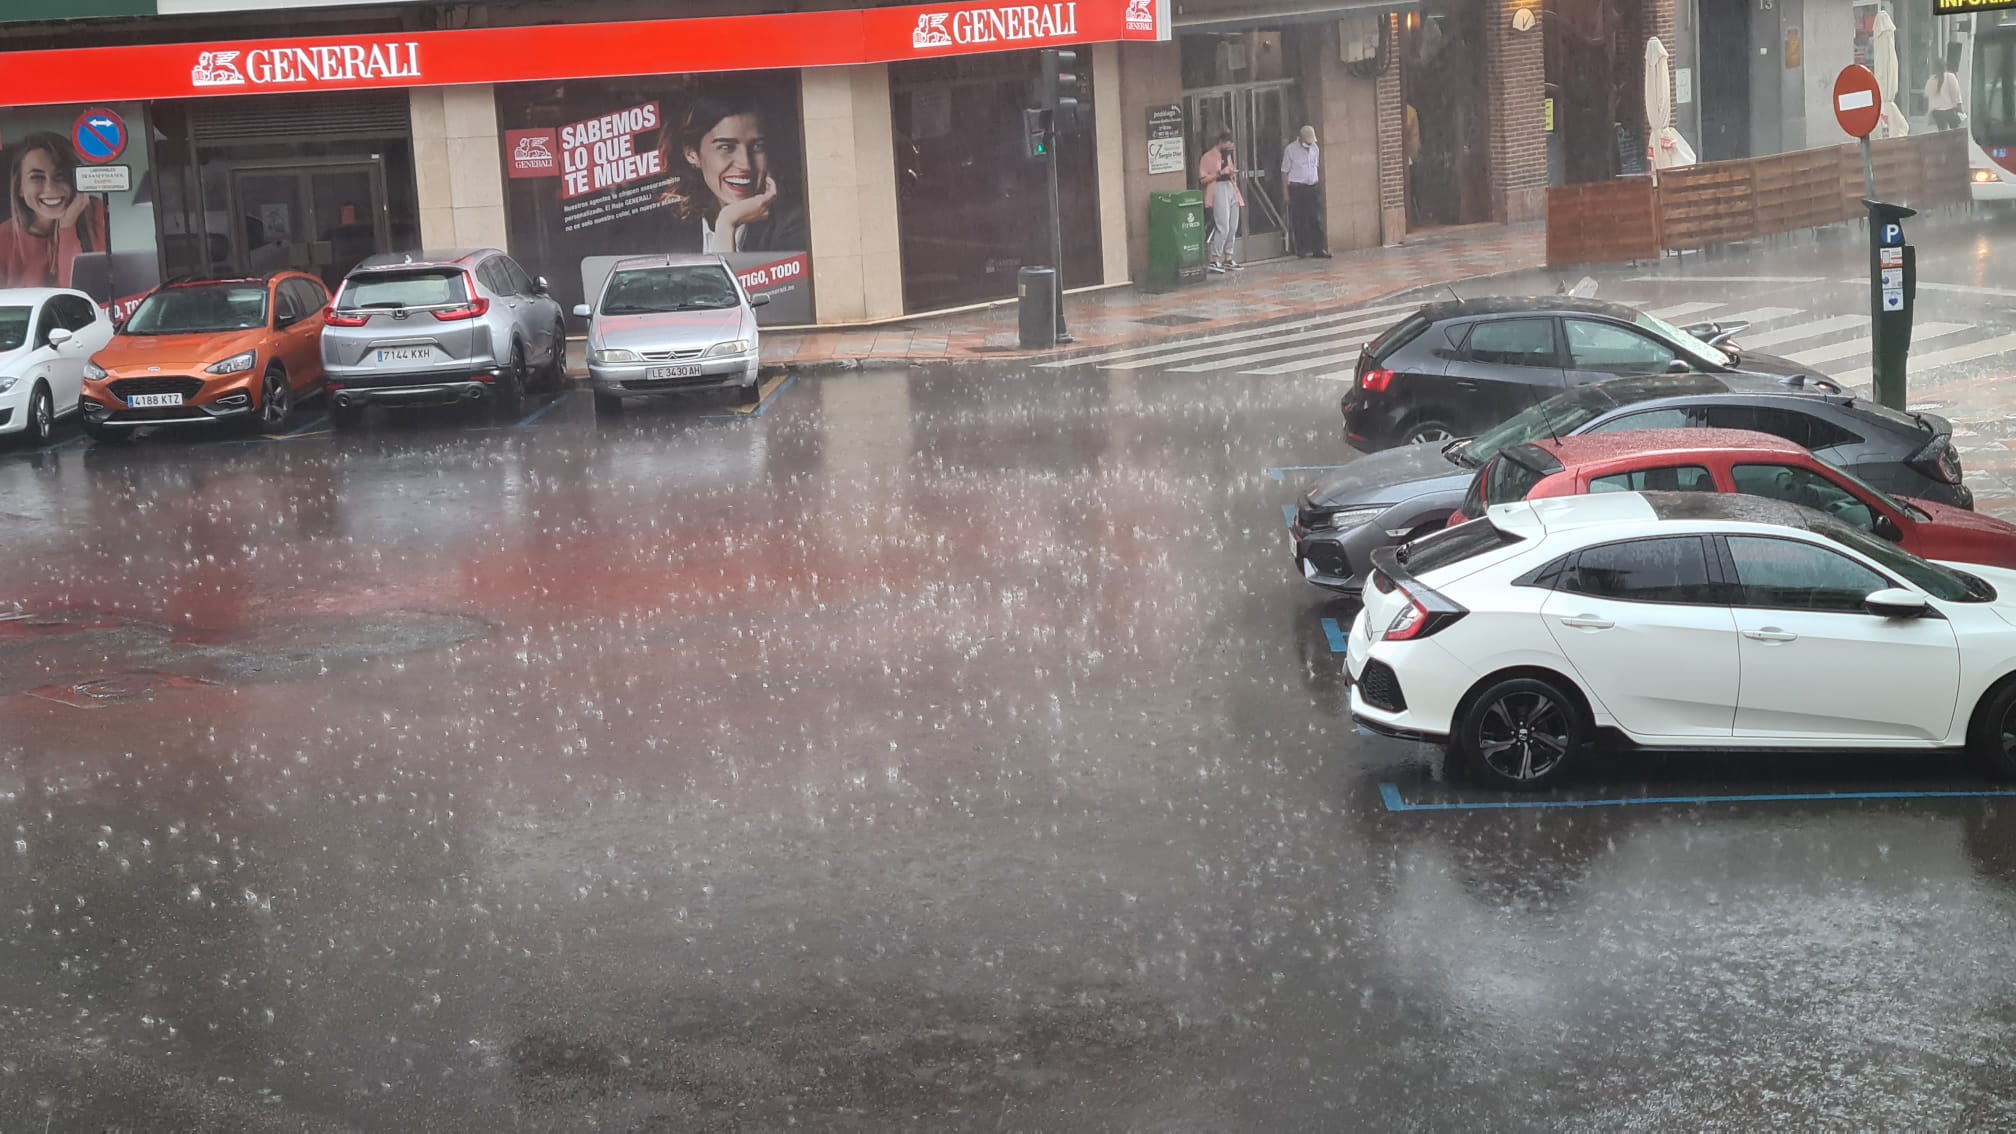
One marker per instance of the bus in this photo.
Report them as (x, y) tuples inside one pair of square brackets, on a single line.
[(1988, 74)]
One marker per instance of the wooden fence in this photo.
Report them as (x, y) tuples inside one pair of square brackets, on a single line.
[(1721, 202)]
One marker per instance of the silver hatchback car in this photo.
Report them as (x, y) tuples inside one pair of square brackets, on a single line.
[(430, 328), (671, 324)]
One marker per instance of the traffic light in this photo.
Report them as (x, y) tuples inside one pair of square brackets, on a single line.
[(1036, 132), (1064, 88)]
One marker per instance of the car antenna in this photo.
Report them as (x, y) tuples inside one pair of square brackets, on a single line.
[(1451, 289)]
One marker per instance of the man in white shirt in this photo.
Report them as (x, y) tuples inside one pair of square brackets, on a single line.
[(1302, 194)]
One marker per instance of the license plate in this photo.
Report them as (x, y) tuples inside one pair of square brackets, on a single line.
[(406, 354), (683, 370), (139, 401)]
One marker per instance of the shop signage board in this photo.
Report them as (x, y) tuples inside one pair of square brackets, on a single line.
[(1955, 7), (102, 178), (566, 51), (1165, 139)]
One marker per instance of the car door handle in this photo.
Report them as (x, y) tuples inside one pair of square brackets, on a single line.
[(1587, 622), (1771, 634), (1465, 384)]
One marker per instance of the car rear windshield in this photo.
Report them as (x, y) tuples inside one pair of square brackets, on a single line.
[(1396, 336), (1451, 546), (198, 309), (1558, 416), (653, 291), (14, 327), (434, 287)]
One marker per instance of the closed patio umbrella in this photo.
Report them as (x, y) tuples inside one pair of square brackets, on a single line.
[(1883, 53), (1667, 149)]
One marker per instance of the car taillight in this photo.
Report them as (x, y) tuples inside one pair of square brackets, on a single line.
[(1939, 460), (1949, 464), (1425, 613), (474, 309), (1377, 380), (1409, 623), (337, 318)]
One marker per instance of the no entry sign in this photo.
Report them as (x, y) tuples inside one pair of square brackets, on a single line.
[(100, 136), (1858, 105)]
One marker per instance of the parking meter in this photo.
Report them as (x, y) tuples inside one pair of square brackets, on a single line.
[(1893, 289)]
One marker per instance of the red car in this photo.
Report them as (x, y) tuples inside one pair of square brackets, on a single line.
[(1734, 460)]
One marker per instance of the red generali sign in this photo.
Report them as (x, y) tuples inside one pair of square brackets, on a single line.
[(564, 51)]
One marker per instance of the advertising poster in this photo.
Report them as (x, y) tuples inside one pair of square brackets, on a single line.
[(79, 206), (599, 169)]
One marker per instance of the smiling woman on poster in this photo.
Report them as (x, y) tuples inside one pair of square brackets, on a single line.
[(722, 177), (49, 222)]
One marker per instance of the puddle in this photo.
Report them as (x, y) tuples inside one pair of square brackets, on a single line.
[(117, 689)]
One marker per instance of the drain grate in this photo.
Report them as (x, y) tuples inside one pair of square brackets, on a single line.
[(116, 689), (1173, 320)]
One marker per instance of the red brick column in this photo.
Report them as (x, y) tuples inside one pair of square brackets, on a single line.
[(1516, 80), (1392, 142)]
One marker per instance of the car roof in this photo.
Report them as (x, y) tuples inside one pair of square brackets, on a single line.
[(1626, 511), (670, 260), (1655, 444), (423, 258), (18, 295), (1526, 305)]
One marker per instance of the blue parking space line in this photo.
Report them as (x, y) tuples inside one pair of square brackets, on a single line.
[(1275, 473), (1339, 640), (774, 395), (1391, 795), (1288, 514), (542, 411)]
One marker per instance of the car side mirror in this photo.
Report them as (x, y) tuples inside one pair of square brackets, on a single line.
[(1896, 602), (1887, 528), (1679, 366), (60, 335), (582, 310), (539, 286), (759, 301)]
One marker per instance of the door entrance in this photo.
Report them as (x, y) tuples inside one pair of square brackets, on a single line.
[(1257, 116), (320, 219)]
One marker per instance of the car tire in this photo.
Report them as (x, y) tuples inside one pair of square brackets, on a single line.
[(1521, 733), (40, 424), (555, 376), (1423, 430), (1991, 736), (108, 434), (276, 403), (749, 393), (606, 404), (346, 416), (509, 389)]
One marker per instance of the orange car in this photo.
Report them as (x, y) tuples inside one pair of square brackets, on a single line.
[(210, 351)]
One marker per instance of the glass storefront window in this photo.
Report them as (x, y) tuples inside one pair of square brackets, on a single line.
[(972, 208)]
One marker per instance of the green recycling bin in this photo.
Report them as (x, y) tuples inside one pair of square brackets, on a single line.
[(1175, 238)]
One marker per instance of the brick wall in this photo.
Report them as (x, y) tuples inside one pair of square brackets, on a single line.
[(1516, 79), (1392, 116)]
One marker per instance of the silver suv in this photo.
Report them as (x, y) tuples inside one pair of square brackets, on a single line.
[(431, 328)]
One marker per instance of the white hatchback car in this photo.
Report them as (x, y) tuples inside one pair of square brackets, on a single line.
[(1684, 620), (46, 337)]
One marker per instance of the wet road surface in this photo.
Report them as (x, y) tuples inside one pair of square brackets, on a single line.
[(939, 749)]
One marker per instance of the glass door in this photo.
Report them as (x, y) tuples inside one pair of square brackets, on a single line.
[(1257, 116), (320, 219)]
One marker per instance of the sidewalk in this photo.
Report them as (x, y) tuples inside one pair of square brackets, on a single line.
[(1130, 316)]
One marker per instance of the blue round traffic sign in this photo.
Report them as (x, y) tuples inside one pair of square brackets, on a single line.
[(100, 136)]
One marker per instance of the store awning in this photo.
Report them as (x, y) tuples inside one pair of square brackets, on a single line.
[(1193, 18)]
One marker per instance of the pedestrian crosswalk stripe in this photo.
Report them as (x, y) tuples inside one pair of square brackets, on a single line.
[(1818, 327), (1232, 336), (1173, 352), (1918, 364), (1353, 340), (1757, 315), (1849, 348), (1681, 310), (1346, 361)]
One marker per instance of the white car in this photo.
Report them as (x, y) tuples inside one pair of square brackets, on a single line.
[(1679, 620), (46, 337)]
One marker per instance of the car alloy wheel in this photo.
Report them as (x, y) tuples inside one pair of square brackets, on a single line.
[(1521, 732), (274, 400), (510, 386), (1429, 431), (41, 417)]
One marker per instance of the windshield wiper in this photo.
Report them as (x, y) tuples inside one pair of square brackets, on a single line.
[(1454, 452)]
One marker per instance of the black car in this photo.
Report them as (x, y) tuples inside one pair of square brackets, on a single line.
[(1458, 368), (1402, 493)]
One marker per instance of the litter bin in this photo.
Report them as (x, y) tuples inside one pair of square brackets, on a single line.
[(1175, 238), (1036, 295)]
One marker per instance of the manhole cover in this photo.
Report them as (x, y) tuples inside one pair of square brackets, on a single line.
[(116, 689), (1173, 320)]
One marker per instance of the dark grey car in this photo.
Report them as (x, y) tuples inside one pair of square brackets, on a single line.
[(1396, 495)]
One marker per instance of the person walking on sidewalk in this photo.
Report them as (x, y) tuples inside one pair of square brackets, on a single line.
[(1942, 93), (1302, 194), (1219, 175)]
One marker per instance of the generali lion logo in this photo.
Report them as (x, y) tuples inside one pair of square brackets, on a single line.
[(1140, 15), (216, 69), (930, 31), (534, 151)]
